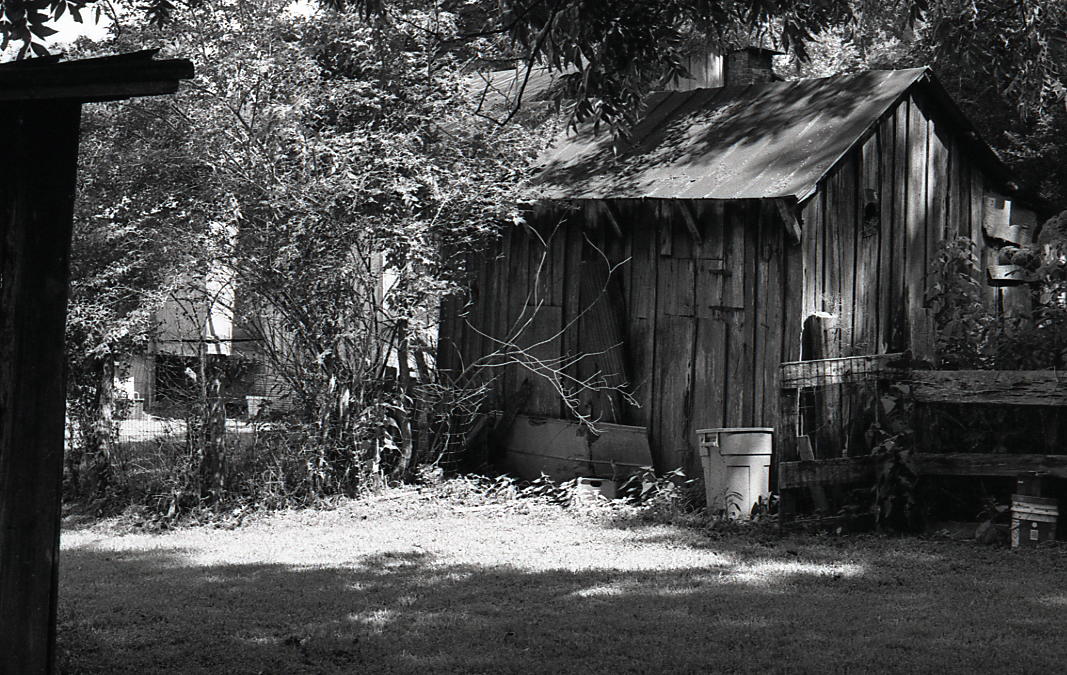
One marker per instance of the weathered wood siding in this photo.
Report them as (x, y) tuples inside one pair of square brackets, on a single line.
[(691, 306), (873, 228), (690, 326), (871, 234)]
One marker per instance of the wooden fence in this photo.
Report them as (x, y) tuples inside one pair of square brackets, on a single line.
[(801, 474)]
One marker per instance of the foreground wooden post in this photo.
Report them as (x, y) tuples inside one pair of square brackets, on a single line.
[(39, 144), (40, 110)]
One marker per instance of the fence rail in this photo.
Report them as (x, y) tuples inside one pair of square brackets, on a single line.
[(848, 370), (821, 399)]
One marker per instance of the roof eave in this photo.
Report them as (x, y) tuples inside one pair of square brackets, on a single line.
[(984, 155), (101, 79)]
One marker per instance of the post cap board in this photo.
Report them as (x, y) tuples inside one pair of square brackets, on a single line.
[(107, 78)]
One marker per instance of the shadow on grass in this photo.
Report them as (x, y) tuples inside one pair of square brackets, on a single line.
[(404, 612)]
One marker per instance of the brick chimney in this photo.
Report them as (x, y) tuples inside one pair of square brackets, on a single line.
[(751, 65), (710, 69)]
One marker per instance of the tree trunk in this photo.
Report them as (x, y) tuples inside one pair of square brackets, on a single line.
[(213, 429), (98, 456), (406, 399)]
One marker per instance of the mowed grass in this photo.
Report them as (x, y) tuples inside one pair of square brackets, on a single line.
[(413, 583)]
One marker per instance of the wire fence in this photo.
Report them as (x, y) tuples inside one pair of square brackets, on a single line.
[(839, 401)]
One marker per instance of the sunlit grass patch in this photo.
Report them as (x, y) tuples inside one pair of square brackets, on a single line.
[(414, 585)]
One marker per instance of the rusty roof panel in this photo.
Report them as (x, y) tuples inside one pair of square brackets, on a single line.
[(747, 142)]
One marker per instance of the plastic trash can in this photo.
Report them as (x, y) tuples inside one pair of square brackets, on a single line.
[(737, 467)]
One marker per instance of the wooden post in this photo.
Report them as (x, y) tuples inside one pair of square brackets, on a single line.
[(39, 146), (822, 341), (40, 112)]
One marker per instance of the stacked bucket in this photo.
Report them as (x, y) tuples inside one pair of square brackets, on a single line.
[(1033, 516)]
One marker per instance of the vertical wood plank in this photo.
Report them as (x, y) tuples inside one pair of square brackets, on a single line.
[(887, 193), (677, 286), (852, 209), (483, 342), (603, 364), (558, 246), (977, 204), (955, 175), (626, 253), (709, 379), (459, 332), (849, 208), (898, 336), (591, 290), (684, 245), (572, 277), (838, 331), (810, 245), (752, 383), (643, 277), (36, 207), (734, 297), (709, 350), (769, 293), (672, 422), (540, 267), (964, 224), (708, 294), (831, 254), (866, 283), (983, 250), (708, 213), (643, 313), (541, 342), (482, 315), (792, 313), (735, 219), (825, 424), (709, 374), (446, 358), (501, 284), (793, 301), (915, 244), (937, 195), (518, 315), (665, 227), (631, 350), (537, 266)]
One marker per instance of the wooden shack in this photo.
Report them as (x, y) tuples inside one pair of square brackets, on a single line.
[(664, 278), (40, 111)]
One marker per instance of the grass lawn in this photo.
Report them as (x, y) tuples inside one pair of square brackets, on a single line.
[(411, 582)]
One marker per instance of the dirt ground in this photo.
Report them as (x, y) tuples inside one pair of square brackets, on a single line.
[(416, 581)]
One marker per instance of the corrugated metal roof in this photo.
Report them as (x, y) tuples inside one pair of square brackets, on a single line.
[(746, 142), (498, 91)]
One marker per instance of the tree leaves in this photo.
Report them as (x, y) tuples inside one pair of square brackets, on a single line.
[(611, 53), (158, 12), (26, 21), (334, 166), (1021, 44)]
